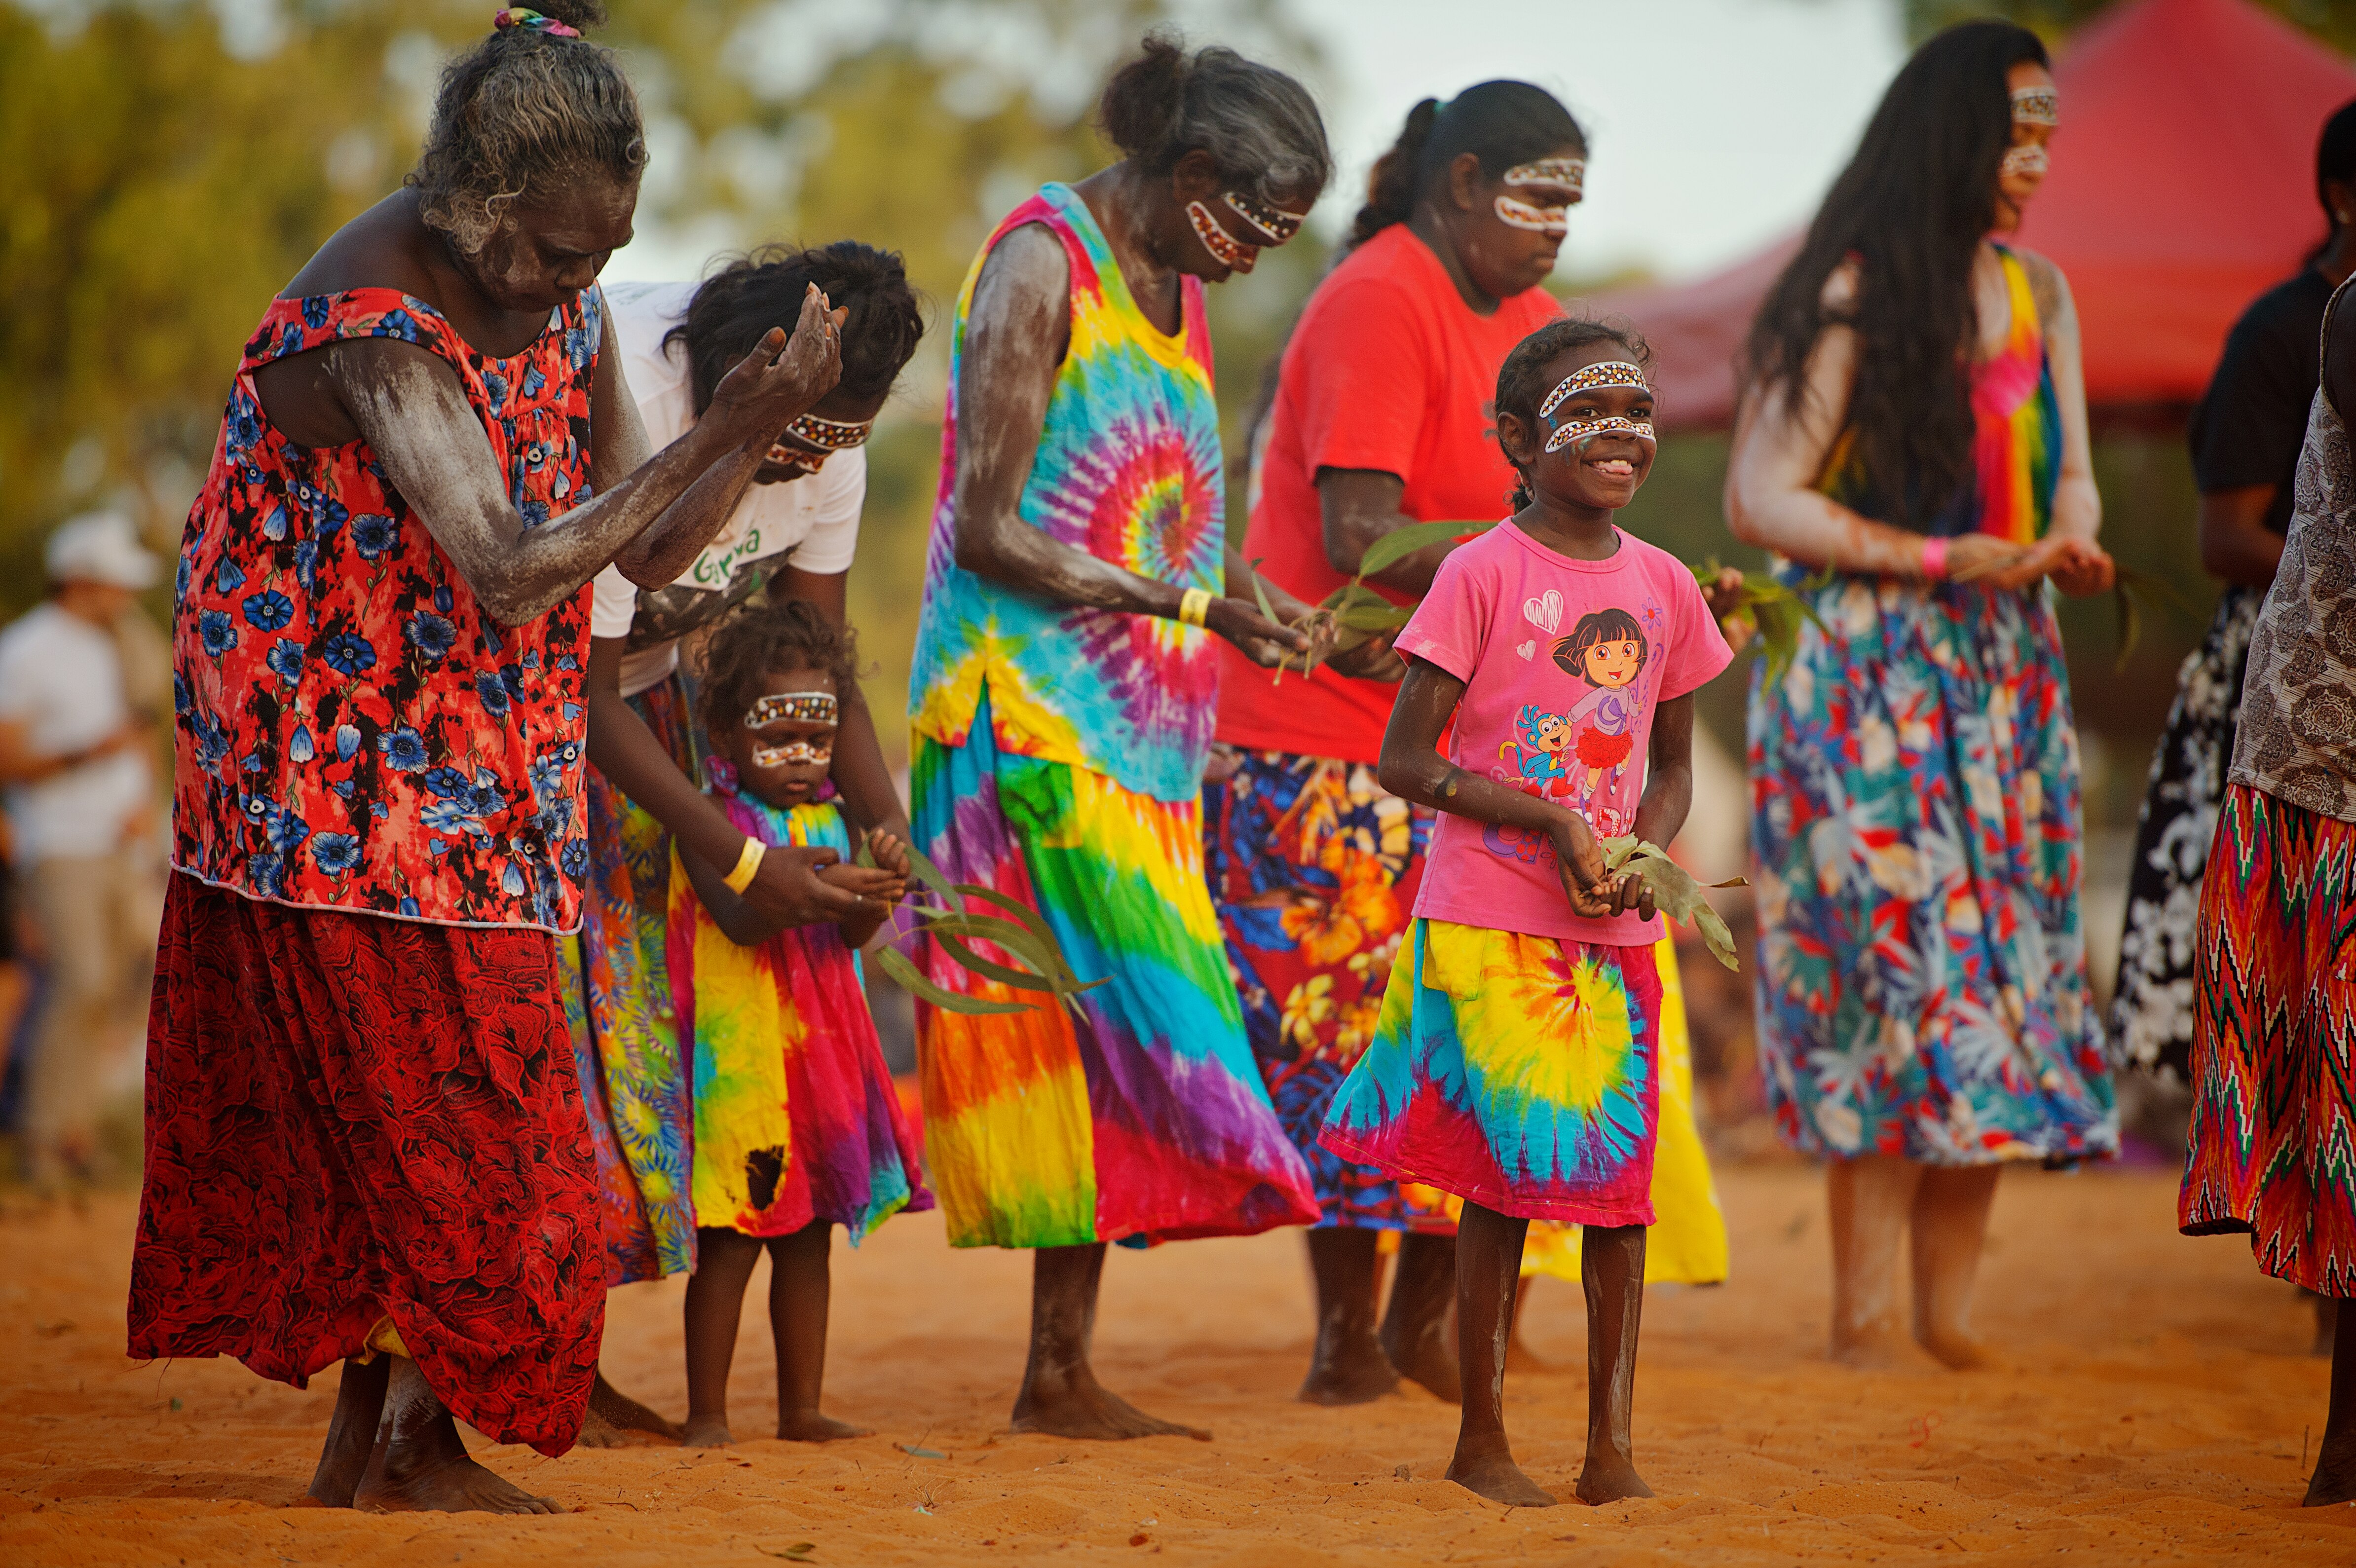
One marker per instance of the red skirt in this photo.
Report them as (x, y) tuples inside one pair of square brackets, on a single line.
[(2274, 1042), (1600, 751), (350, 1118)]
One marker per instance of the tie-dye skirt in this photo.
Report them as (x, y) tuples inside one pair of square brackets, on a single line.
[(1518, 1072), (626, 1044), (1135, 1115), (2273, 1145), (796, 1118)]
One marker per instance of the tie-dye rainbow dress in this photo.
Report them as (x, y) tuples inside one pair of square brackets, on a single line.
[(1921, 974), (1518, 1072), (1058, 758), (796, 1118)]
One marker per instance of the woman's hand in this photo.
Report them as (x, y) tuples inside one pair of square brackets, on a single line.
[(1373, 659), (788, 890), (2084, 569), (1723, 595), (782, 379), (1261, 640)]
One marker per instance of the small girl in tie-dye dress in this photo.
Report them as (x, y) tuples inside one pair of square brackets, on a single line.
[(1516, 1061), (797, 1126)]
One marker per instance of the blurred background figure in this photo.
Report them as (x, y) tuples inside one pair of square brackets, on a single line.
[(74, 756)]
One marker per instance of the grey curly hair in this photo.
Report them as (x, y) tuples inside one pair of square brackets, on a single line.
[(1259, 124), (519, 107)]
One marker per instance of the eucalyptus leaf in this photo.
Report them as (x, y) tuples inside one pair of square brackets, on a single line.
[(1401, 543), (1674, 892), (930, 876), (912, 980)]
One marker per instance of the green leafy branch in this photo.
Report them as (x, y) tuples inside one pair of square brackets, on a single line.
[(1020, 933), (1674, 892), (1772, 611), (1354, 612)]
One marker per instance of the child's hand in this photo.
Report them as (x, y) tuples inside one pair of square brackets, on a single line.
[(1595, 891), (1724, 597), (890, 853)]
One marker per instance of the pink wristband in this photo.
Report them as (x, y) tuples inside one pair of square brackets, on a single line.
[(1935, 559)]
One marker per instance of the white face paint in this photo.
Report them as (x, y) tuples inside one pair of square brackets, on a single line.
[(1609, 373), (1274, 222), (2036, 106), (2022, 162), (795, 754), (1567, 174), (1225, 248), (804, 707)]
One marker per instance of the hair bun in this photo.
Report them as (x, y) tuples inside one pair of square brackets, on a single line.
[(1143, 102)]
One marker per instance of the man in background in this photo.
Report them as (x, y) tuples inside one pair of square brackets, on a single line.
[(74, 758)]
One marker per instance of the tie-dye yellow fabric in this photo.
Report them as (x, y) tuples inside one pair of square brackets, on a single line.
[(1514, 1071)]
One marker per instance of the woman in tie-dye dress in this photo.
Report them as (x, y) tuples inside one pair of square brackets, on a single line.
[(1063, 695), (1921, 984)]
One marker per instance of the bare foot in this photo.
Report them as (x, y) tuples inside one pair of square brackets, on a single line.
[(809, 1426), (616, 1420), (706, 1431), (351, 1434), (1074, 1404), (1873, 1348), (1350, 1373), (1957, 1351), (1609, 1477), (1428, 1359), (420, 1465), (1496, 1477)]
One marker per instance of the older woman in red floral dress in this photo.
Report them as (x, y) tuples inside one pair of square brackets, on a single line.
[(365, 1139)]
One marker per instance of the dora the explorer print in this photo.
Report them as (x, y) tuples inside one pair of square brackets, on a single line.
[(1563, 662)]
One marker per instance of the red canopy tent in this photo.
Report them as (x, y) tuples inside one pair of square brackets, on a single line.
[(2183, 185)]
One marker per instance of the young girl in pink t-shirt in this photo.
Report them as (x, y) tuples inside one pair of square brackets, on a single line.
[(1516, 1061)]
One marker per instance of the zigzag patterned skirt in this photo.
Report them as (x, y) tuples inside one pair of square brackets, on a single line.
[(2273, 1043)]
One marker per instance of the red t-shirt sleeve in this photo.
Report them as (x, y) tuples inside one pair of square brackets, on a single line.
[(1365, 377), (1700, 651)]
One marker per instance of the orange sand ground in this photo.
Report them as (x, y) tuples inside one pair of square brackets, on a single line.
[(2154, 1405)]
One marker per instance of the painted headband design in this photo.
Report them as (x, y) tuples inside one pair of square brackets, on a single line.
[(1273, 221), (1587, 429), (1609, 373), (830, 434), (809, 707), (794, 754), (1225, 248), (1571, 172), (2036, 106), (2026, 160)]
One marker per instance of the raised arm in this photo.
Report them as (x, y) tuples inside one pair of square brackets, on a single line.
[(405, 401), (1412, 769), (1016, 335)]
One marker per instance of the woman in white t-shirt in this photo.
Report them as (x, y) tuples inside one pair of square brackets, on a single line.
[(792, 537)]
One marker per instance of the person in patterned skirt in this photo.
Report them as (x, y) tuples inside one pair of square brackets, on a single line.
[(364, 1135), (1923, 1016), (2273, 1145), (1062, 696), (2246, 435)]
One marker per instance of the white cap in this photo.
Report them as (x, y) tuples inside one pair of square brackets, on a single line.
[(100, 547)]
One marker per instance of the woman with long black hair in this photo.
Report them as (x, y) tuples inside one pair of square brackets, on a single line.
[(1912, 445)]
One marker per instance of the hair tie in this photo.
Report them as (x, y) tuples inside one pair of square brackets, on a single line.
[(532, 21)]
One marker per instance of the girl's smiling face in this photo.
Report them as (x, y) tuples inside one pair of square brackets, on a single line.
[(1591, 469), (783, 761), (1613, 662)]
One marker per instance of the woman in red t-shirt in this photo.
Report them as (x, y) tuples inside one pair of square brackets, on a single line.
[(1380, 419)]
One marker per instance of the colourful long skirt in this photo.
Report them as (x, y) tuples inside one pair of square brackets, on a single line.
[(1136, 1115), (1313, 868), (353, 1118), (2273, 1148), (1689, 1243), (626, 1036), (2152, 1005), (1921, 981), (795, 1119), (1518, 1072)]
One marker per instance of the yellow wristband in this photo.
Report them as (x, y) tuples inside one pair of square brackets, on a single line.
[(1195, 606), (747, 863)]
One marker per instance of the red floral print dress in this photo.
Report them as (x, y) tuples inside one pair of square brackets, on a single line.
[(361, 1096), (355, 731)]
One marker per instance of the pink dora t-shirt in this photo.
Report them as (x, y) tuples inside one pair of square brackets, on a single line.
[(1563, 662)]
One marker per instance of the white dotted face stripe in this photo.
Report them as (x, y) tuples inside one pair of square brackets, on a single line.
[(1587, 377), (1583, 429), (808, 707), (2036, 106), (2026, 160), (1225, 248)]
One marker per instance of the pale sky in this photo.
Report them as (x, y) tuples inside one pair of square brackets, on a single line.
[(1714, 125)]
